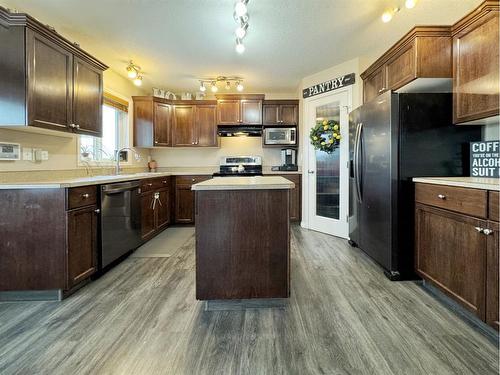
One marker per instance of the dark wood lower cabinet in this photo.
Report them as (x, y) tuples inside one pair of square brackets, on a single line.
[(184, 198), (456, 250), (451, 254), (147, 215), (82, 244), (155, 206), (492, 279), (295, 196)]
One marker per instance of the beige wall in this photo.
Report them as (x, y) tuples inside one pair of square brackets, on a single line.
[(62, 148), (194, 157)]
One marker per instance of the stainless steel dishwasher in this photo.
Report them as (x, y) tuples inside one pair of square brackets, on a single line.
[(120, 220)]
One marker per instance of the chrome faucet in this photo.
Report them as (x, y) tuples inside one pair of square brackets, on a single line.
[(117, 158)]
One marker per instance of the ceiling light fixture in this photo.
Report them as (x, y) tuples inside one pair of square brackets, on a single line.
[(388, 14), (241, 17), (240, 47), (138, 81), (240, 8), (410, 4), (214, 87), (229, 81)]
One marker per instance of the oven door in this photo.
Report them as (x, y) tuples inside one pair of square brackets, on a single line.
[(280, 136)]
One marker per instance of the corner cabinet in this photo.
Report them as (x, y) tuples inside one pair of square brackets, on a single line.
[(160, 122), (424, 52), (476, 66), (51, 83), (235, 109), (456, 246)]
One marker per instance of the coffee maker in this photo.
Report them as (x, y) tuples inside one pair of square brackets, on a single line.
[(288, 160)]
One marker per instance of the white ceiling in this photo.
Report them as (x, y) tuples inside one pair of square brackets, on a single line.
[(176, 41)]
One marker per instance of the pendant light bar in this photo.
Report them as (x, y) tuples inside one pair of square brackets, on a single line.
[(241, 17)]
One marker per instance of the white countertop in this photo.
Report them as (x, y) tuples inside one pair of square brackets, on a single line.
[(81, 181), (245, 183), (468, 182)]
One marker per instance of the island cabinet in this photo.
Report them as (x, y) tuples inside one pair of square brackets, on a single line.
[(234, 109), (155, 206), (476, 66), (60, 251), (184, 198), (456, 239), (424, 52), (50, 82), (280, 112)]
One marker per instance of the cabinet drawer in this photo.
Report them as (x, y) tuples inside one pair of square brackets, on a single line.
[(82, 196), (493, 202), (188, 180), (472, 202)]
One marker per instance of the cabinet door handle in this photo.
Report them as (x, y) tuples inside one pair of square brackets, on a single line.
[(479, 229), (97, 211), (441, 196), (85, 196), (487, 231)]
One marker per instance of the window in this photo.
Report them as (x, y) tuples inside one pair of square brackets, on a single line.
[(114, 133)]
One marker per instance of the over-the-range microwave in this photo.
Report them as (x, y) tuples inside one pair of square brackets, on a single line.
[(280, 136)]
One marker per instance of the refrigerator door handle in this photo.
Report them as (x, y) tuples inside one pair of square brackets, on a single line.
[(358, 164), (355, 161)]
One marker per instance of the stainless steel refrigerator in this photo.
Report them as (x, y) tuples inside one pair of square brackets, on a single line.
[(393, 138)]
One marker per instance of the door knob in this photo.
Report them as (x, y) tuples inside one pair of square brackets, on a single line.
[(310, 171)]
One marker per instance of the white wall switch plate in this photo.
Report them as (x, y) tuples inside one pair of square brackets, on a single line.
[(27, 153), (45, 155), (37, 153)]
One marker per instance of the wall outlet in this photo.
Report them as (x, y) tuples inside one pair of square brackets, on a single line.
[(27, 153), (45, 155), (37, 154)]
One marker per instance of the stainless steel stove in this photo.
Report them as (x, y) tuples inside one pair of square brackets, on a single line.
[(239, 166)]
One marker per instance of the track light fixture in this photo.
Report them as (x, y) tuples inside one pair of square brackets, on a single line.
[(241, 17), (389, 13), (229, 82), (134, 73)]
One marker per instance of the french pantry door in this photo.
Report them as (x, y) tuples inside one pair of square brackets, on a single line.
[(327, 175)]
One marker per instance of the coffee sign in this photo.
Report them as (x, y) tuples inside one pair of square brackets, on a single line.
[(484, 159), (330, 85)]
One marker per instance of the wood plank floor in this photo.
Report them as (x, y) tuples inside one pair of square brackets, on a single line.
[(344, 317)]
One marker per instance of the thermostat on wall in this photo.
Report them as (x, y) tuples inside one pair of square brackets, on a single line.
[(10, 151)]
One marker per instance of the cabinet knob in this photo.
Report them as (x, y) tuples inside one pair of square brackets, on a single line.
[(72, 125), (479, 229), (381, 90), (192, 143), (150, 184), (487, 231), (85, 196), (77, 126), (441, 196), (97, 211), (193, 179), (164, 182)]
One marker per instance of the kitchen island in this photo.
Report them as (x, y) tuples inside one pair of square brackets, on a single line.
[(242, 238)]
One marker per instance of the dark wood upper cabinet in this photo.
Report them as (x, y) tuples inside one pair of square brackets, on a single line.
[(280, 112), (184, 132), (236, 109), (50, 82), (424, 52), (82, 245), (87, 98), (476, 66), (179, 123), (251, 112), (162, 124), (228, 112), (206, 126)]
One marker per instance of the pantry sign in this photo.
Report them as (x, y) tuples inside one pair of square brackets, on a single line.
[(329, 85), (484, 159)]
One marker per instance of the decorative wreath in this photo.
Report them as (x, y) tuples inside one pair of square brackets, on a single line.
[(325, 136)]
